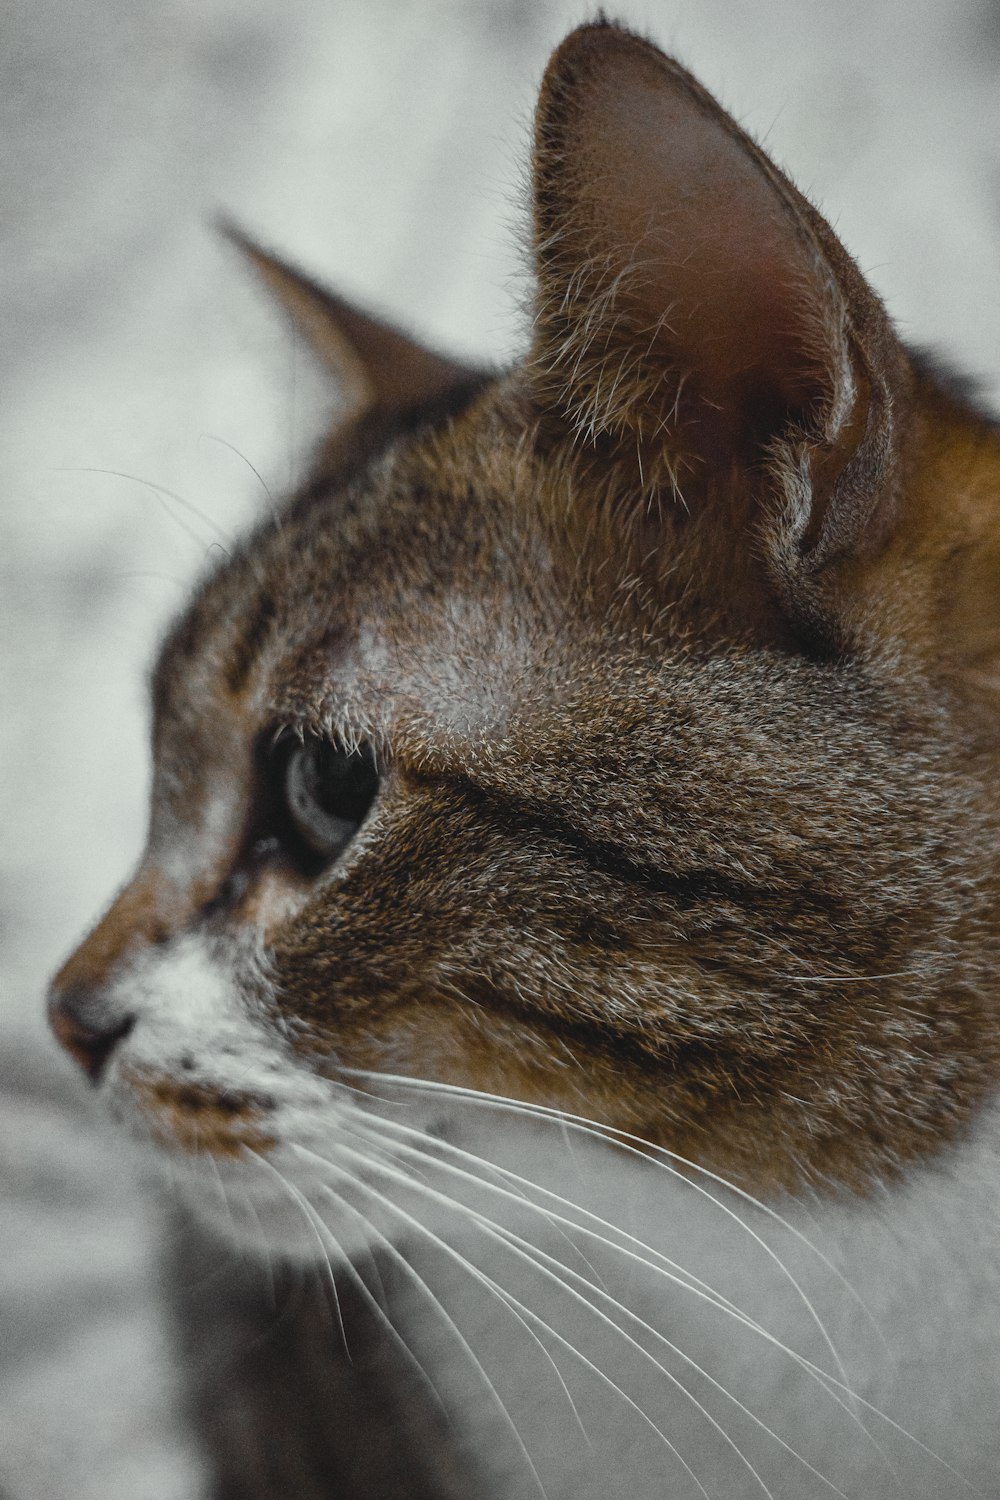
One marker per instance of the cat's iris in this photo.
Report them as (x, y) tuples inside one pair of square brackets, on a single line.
[(327, 792)]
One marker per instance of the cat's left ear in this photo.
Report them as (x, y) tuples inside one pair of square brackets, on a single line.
[(698, 323), (377, 367)]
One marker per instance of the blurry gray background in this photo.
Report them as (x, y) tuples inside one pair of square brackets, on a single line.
[(382, 145)]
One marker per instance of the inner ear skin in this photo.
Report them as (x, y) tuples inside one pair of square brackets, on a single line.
[(636, 162), (714, 258), (694, 306)]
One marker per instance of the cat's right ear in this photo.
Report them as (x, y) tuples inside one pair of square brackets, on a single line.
[(698, 323), (377, 368)]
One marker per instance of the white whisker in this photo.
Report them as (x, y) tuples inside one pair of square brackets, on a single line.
[(308, 1213), (543, 1262), (647, 1151), (527, 1312), (559, 1222), (667, 1271), (660, 1265), (636, 1146), (435, 1301), (480, 1275), (323, 1233)]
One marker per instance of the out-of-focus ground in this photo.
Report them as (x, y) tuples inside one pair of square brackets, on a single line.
[(382, 145)]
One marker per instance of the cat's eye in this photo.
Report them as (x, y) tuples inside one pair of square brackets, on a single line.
[(327, 791)]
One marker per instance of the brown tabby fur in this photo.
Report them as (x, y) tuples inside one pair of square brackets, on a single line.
[(679, 648), (690, 807)]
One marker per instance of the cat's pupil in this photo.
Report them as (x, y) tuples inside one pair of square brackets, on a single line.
[(328, 791)]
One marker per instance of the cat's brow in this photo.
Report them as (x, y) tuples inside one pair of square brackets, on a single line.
[(687, 886)]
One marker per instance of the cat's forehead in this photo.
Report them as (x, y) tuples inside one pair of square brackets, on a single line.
[(416, 583)]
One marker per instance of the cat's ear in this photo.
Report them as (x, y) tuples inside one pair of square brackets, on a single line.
[(697, 319), (376, 366)]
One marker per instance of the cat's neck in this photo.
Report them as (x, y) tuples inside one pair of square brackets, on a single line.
[(840, 1324)]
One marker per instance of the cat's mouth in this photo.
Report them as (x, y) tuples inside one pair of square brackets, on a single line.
[(298, 1173), (197, 1117)]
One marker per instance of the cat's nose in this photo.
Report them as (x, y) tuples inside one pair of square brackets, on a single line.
[(82, 1012), (86, 1027)]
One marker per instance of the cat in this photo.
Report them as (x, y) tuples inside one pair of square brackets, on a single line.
[(561, 978)]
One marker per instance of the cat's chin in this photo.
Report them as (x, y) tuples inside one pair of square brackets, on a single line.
[(268, 1206)]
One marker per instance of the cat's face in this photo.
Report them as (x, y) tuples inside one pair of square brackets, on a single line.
[(606, 735)]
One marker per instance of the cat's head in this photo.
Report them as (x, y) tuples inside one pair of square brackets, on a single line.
[(614, 733)]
